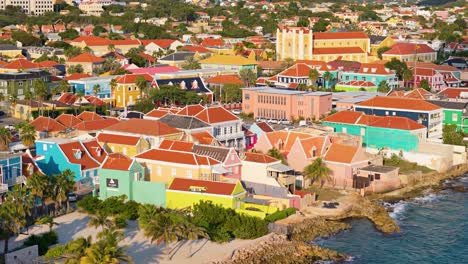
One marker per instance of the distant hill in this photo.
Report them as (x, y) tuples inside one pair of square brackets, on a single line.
[(435, 2)]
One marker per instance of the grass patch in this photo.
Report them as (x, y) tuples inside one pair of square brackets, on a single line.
[(324, 194), (406, 167)]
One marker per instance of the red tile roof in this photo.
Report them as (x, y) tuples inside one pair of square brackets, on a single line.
[(430, 65), (163, 43), (358, 84), (70, 149), (131, 78), (204, 138), (98, 124), (454, 93), (95, 150), (225, 79), (212, 42), (374, 68), (199, 49), (408, 49), (319, 65), (48, 64), (67, 98), (397, 93), (393, 122), (68, 120), (143, 127), (339, 35), (86, 58), (297, 70), (117, 139), (341, 153), (178, 157), (93, 100), (93, 40), (347, 117), (157, 113), (339, 50), (88, 116), (398, 103), (216, 115), (418, 93), (147, 57), (21, 64), (220, 188), (117, 161), (176, 145), (191, 110), (264, 126), (48, 124), (311, 144), (259, 158), (76, 76)]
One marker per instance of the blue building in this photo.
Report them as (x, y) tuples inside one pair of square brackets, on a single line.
[(86, 85), (83, 158), (260, 128), (425, 113), (371, 72), (10, 170)]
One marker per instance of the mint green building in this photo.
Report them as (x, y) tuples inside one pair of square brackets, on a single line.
[(398, 133), (121, 175), (454, 113)]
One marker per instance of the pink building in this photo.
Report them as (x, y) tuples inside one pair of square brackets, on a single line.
[(271, 103)]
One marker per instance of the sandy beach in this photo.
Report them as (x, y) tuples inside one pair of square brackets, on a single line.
[(74, 225)]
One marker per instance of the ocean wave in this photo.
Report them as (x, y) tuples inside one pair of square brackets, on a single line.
[(398, 209), (429, 198)]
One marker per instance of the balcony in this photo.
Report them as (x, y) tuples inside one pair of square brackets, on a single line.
[(3, 188)]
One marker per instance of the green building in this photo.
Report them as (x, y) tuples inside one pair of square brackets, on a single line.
[(393, 132), (454, 113), (121, 175), (21, 83)]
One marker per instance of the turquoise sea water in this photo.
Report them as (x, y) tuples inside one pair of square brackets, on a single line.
[(434, 229)]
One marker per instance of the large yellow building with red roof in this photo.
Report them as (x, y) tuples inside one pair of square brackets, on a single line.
[(300, 43)]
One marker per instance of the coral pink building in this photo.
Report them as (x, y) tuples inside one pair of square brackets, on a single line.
[(271, 103)]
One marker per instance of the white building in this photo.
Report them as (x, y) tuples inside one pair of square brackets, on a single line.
[(30, 7)]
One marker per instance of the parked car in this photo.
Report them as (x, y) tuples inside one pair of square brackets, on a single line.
[(285, 122), (274, 121), (72, 197), (236, 112)]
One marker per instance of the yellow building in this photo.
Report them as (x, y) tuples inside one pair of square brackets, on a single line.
[(164, 165), (127, 145), (23, 109), (406, 52), (101, 46), (229, 62), (300, 43), (9, 51), (378, 42), (127, 92)]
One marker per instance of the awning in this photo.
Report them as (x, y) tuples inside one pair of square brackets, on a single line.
[(279, 168)]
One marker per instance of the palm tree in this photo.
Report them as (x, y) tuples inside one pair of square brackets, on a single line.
[(407, 76), (64, 86), (111, 47), (193, 232), (141, 83), (113, 85), (63, 184), (317, 171), (275, 153), (40, 90), (27, 134), (5, 139), (47, 220), (96, 90), (106, 250), (101, 219), (382, 87), (76, 249), (327, 76), (313, 76), (38, 183)]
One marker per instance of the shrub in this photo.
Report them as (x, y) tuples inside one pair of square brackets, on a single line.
[(90, 204), (130, 211), (43, 241), (120, 222), (280, 215), (56, 252)]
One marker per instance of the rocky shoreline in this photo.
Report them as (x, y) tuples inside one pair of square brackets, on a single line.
[(292, 244)]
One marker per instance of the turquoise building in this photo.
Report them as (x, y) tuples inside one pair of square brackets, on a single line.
[(368, 73), (397, 133), (10, 170), (121, 175), (86, 85)]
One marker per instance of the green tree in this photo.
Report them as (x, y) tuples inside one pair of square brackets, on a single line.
[(25, 38), (191, 64), (425, 85), (313, 76), (398, 66), (451, 136), (106, 250), (5, 139), (275, 153), (47, 220), (407, 76), (142, 84), (27, 134), (98, 30), (383, 87), (248, 77), (38, 183), (100, 219), (96, 90), (72, 51), (382, 50), (328, 77), (321, 25), (63, 184), (69, 34), (41, 92), (64, 86), (303, 22), (77, 68), (317, 171)]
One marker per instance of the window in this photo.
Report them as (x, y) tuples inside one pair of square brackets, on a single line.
[(344, 130), (44, 147), (363, 131), (393, 113), (454, 117), (173, 172), (377, 176), (189, 174), (136, 176), (386, 113), (124, 151), (246, 96), (159, 171)]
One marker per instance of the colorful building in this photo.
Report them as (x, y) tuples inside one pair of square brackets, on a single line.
[(83, 158), (121, 175), (425, 113), (89, 62), (374, 73), (127, 145), (127, 92), (86, 86), (101, 46), (183, 193), (20, 84), (378, 42), (10, 170), (282, 104), (397, 133), (410, 52), (454, 113), (229, 62)]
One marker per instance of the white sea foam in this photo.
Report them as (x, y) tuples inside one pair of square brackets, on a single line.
[(398, 209), (429, 198)]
